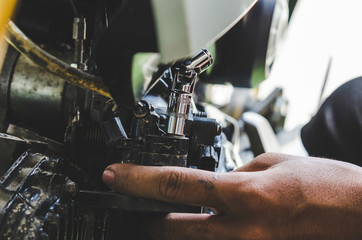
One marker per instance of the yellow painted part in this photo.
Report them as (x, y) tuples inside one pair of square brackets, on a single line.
[(61, 69), (6, 9), (29, 49)]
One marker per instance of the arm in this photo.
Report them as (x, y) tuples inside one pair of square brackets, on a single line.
[(274, 197)]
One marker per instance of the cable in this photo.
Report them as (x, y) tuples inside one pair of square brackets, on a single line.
[(74, 8), (16, 38)]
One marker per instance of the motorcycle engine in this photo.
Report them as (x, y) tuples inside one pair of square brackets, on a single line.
[(68, 110)]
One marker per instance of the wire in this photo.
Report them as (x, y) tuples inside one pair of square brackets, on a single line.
[(16, 38), (74, 8)]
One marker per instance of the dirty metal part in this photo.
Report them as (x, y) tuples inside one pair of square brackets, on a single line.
[(79, 35), (31, 193), (25, 46), (114, 130), (209, 158), (23, 133), (40, 199), (204, 130), (35, 95), (116, 201), (146, 121), (5, 79), (204, 151), (149, 144), (142, 109), (12, 147), (165, 151), (155, 150), (79, 28), (37, 202), (86, 139), (159, 103)]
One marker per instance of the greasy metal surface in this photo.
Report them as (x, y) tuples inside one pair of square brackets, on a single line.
[(31, 194), (30, 136), (12, 147), (35, 94), (39, 201), (37, 194), (5, 79), (77, 77), (116, 201)]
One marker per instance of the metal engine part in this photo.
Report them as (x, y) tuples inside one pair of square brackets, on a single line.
[(93, 121), (40, 200), (51, 198), (33, 98), (172, 136), (36, 95), (36, 199), (179, 105)]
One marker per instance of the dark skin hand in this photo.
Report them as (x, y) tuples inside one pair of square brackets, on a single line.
[(275, 196)]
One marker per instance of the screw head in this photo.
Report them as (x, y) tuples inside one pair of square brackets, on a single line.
[(142, 109)]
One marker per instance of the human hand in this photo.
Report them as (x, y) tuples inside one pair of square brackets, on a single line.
[(274, 197)]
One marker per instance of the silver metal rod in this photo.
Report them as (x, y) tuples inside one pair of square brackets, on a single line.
[(179, 105)]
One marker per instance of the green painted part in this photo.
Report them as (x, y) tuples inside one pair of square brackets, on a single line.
[(139, 59), (257, 76), (212, 49)]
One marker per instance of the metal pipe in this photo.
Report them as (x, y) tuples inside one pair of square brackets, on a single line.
[(28, 48), (179, 105), (79, 36), (200, 62)]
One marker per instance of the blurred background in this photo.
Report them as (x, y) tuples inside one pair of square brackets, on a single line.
[(322, 50), (323, 47)]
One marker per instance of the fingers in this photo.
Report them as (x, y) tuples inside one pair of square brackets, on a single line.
[(171, 184), (192, 186), (180, 226)]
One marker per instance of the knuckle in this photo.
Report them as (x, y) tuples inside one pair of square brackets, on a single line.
[(171, 185), (265, 157), (267, 160)]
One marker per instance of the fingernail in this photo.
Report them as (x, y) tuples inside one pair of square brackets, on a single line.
[(108, 177)]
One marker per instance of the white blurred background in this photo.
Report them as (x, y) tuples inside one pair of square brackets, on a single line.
[(322, 50), (320, 31)]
